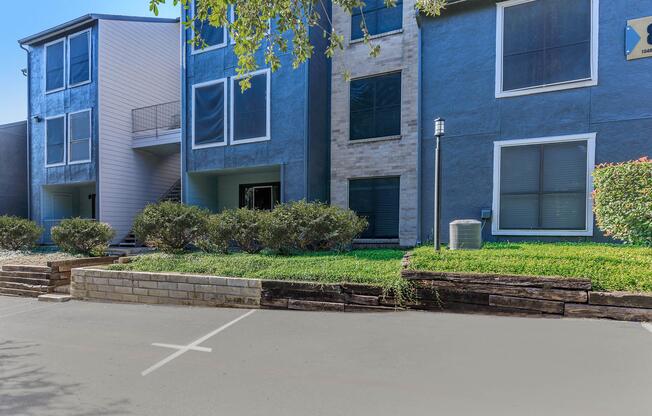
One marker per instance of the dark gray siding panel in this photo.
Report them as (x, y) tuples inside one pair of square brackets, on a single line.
[(13, 169)]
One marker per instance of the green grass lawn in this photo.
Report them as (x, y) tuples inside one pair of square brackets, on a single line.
[(610, 267), (375, 267)]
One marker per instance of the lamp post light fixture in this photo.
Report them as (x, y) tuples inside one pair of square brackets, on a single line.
[(440, 130)]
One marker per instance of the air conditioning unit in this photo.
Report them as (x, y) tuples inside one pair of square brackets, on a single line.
[(465, 235)]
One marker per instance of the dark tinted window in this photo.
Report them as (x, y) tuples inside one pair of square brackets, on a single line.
[(546, 42), (80, 136), (543, 186), (378, 17), (54, 65), (378, 201), (209, 114), (376, 107), (210, 35), (56, 140), (250, 109), (79, 70)]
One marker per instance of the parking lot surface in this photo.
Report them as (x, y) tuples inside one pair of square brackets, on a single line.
[(81, 358)]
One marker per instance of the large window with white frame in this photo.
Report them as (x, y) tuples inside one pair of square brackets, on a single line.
[(542, 187), (79, 58), (208, 36), (250, 109), (55, 76), (209, 114), (55, 141), (79, 137), (546, 45)]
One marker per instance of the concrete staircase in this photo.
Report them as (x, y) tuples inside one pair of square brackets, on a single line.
[(173, 194), (27, 281)]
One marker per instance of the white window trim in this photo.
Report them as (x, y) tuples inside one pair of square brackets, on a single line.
[(268, 94), (581, 83), (65, 141), (90, 137), (224, 105), (194, 49), (45, 65), (90, 58), (590, 156)]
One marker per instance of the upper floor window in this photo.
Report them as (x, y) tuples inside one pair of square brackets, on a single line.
[(209, 114), (378, 17), (543, 186), (375, 105), (211, 37), (79, 144), (54, 66), (545, 45), (250, 110), (55, 141), (79, 59)]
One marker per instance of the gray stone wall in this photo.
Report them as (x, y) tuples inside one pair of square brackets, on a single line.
[(164, 288), (386, 157)]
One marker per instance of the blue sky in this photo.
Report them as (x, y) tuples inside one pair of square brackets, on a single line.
[(27, 17)]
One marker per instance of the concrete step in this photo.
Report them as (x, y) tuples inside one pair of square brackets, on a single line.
[(25, 280), (54, 297), (20, 292), (27, 275), (23, 286), (25, 268)]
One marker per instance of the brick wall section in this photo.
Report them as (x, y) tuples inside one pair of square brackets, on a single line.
[(164, 288), (365, 159)]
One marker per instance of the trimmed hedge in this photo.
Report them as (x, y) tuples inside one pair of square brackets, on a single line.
[(83, 236), (623, 200), (18, 233)]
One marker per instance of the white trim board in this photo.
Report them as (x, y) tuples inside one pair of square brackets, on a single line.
[(224, 105), (580, 83), (590, 155)]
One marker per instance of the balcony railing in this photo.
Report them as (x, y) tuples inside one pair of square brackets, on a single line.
[(156, 120)]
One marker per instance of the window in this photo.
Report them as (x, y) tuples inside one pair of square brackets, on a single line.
[(211, 37), (54, 66), (545, 45), (79, 136), (376, 107), (79, 59), (55, 141), (377, 200), (250, 110), (263, 196), (209, 114), (543, 186), (378, 17)]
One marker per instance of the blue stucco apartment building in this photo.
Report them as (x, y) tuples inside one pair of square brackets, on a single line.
[(87, 78), (256, 148), (535, 93)]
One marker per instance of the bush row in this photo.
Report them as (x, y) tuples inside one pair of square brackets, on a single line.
[(295, 226)]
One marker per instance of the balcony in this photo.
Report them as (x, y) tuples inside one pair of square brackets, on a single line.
[(157, 127)]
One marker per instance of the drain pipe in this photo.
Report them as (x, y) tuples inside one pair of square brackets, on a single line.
[(29, 134)]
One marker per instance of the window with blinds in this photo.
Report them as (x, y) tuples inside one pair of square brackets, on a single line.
[(377, 200), (375, 107), (544, 186), (378, 17)]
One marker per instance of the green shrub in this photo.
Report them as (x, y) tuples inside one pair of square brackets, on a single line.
[(623, 200), (220, 230), (247, 227), (18, 233), (309, 226), (83, 236), (170, 226)]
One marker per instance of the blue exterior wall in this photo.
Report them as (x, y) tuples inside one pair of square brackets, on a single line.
[(458, 83), (47, 105), (299, 125), (13, 169)]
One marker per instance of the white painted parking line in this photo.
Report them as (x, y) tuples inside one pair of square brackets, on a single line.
[(193, 345), (181, 347), (647, 325), (25, 311)]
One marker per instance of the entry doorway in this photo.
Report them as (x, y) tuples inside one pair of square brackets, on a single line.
[(262, 196)]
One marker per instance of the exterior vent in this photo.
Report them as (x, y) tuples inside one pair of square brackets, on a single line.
[(465, 235)]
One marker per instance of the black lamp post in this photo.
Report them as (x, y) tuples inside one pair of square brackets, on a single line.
[(439, 133)]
